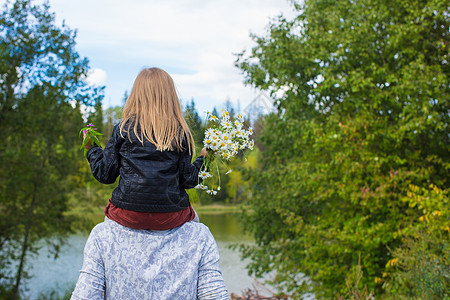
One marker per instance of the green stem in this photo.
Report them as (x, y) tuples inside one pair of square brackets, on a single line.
[(218, 173)]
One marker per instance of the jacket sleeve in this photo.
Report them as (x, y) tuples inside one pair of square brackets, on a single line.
[(189, 171), (105, 163)]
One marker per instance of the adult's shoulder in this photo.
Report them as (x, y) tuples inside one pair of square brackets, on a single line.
[(105, 229), (195, 226), (100, 227), (198, 231)]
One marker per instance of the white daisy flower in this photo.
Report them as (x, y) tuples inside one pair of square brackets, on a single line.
[(213, 118), (226, 137), (238, 124), (212, 192), (204, 174), (226, 123), (209, 132), (234, 150), (207, 142), (223, 146), (214, 145), (201, 187), (240, 118), (226, 155), (225, 113)]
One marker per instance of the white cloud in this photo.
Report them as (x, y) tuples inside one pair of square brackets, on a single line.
[(96, 77)]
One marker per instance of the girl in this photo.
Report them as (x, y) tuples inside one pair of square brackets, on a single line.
[(151, 149)]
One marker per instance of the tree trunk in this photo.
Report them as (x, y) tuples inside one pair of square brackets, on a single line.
[(28, 224)]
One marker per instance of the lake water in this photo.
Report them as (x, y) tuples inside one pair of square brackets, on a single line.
[(49, 274)]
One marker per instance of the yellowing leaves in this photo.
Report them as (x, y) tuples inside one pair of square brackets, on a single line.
[(392, 262), (378, 280)]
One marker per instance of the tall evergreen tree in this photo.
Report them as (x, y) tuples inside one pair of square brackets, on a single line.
[(194, 122), (96, 117), (113, 116), (41, 92), (229, 107), (125, 98)]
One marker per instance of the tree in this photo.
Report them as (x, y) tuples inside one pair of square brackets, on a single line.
[(125, 97), (357, 153), (113, 116), (96, 117), (229, 107), (42, 90), (194, 122)]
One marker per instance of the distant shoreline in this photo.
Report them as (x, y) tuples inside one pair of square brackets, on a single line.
[(98, 216), (217, 208)]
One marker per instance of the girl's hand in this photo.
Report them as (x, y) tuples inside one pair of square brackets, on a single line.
[(88, 144), (204, 152), (90, 136)]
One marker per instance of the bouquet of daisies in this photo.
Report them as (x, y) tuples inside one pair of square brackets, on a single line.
[(223, 140)]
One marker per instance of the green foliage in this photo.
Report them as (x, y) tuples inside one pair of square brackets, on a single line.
[(87, 197), (91, 135), (41, 92), (193, 196), (420, 269), (350, 162), (355, 291), (237, 187)]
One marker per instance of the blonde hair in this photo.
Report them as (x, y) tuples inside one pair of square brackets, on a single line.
[(153, 105)]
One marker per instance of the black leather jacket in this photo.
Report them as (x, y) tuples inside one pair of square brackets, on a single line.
[(150, 180)]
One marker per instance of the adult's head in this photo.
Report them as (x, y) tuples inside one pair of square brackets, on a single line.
[(154, 106)]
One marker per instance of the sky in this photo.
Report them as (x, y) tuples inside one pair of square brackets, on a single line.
[(195, 41)]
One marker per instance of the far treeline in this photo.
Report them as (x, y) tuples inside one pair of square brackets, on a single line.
[(346, 195)]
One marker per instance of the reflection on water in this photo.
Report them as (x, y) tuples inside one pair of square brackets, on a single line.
[(227, 231), (62, 273), (225, 227), (48, 274)]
